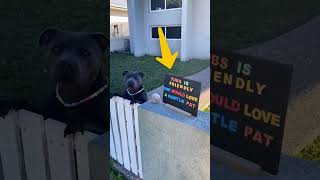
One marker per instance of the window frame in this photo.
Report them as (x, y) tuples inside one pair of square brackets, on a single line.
[(165, 7), (174, 26), (165, 31), (165, 28)]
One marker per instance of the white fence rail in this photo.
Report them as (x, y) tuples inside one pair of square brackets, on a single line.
[(124, 135), (34, 149)]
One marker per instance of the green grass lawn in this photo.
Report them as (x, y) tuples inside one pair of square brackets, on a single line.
[(153, 70), (311, 151), (115, 175), (239, 24)]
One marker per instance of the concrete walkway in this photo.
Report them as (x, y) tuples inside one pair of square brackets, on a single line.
[(290, 169), (203, 77), (300, 47)]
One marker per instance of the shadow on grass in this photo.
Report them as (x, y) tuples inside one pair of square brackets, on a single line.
[(239, 24)]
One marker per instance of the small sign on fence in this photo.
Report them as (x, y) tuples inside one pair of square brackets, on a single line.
[(182, 93), (249, 99)]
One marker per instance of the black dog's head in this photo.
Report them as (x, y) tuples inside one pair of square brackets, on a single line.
[(132, 80), (74, 58)]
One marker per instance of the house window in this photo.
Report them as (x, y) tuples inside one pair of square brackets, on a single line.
[(171, 4), (174, 32), (170, 32), (155, 33), (157, 5)]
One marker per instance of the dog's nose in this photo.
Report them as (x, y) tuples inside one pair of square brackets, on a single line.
[(65, 71), (65, 66), (130, 83)]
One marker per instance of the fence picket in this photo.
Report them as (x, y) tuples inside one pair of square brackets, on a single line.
[(1, 170), (123, 132), (81, 146), (60, 151), (33, 139), (10, 149), (136, 123), (112, 145), (31, 148), (116, 132), (131, 139)]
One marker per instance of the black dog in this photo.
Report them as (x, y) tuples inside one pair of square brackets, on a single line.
[(76, 63), (134, 90)]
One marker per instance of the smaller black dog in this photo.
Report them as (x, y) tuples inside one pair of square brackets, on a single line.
[(134, 90)]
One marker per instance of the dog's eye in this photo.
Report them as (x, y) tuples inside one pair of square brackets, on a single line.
[(57, 49), (85, 52)]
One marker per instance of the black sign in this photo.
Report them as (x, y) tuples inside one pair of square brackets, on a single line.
[(249, 99), (182, 93)]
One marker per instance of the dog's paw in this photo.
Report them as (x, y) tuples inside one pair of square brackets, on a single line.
[(73, 129), (133, 102)]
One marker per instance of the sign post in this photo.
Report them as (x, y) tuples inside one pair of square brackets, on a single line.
[(182, 93), (249, 99)]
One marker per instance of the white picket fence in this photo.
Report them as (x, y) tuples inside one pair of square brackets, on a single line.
[(34, 149), (124, 135)]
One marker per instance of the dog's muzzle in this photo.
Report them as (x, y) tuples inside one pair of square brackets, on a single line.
[(130, 84), (65, 72)]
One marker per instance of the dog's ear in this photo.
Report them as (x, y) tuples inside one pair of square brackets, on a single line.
[(141, 74), (124, 73), (101, 39), (47, 36)]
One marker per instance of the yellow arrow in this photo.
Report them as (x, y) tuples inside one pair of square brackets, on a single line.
[(167, 58)]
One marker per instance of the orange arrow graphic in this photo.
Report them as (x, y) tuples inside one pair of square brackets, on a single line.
[(167, 58)]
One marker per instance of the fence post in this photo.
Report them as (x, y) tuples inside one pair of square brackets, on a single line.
[(123, 132), (60, 151), (137, 138), (99, 161), (33, 140), (112, 143), (115, 129), (81, 143), (10, 148), (131, 136), (1, 170)]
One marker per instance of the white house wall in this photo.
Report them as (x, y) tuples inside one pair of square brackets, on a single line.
[(200, 29), (186, 30), (131, 24), (197, 29), (160, 18), (136, 20)]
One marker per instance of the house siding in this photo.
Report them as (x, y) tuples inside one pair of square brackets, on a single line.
[(195, 28), (200, 45), (160, 18)]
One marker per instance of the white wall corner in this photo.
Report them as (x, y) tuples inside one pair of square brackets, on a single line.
[(131, 19), (136, 26), (186, 38)]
